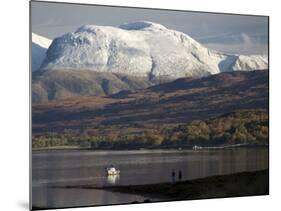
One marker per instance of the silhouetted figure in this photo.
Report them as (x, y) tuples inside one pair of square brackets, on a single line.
[(173, 176), (180, 175)]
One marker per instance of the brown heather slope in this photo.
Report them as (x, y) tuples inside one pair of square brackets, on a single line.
[(173, 103)]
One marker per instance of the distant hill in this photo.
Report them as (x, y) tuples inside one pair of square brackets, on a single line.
[(163, 105), (61, 84)]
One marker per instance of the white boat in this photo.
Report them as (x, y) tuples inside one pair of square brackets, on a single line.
[(195, 147), (112, 171)]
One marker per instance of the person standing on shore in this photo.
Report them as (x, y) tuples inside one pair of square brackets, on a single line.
[(173, 176), (180, 175)]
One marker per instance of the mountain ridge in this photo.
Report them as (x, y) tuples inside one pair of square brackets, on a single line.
[(143, 49), (39, 47)]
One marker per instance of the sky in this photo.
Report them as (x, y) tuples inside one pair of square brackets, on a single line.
[(223, 32)]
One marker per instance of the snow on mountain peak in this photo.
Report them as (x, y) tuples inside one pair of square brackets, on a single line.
[(142, 49), (39, 47), (41, 41)]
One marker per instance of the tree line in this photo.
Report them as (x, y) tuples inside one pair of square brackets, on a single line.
[(240, 127)]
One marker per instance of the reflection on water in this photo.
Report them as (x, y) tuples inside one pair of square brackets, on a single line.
[(112, 179), (65, 168)]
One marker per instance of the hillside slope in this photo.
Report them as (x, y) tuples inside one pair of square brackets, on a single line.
[(166, 104), (61, 84)]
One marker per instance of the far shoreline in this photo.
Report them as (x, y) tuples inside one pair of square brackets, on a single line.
[(77, 148)]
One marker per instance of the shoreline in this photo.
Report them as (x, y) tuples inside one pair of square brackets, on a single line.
[(230, 185), (77, 148)]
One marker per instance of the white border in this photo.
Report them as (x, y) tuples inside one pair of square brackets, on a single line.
[(14, 116)]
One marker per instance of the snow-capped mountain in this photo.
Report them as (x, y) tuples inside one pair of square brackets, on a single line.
[(142, 49), (38, 48)]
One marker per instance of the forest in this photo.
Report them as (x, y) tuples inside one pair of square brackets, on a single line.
[(249, 127)]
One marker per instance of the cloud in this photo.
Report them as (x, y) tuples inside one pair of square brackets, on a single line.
[(240, 43), (246, 39), (239, 48)]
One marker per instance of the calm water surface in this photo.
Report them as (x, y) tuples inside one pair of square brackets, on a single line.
[(66, 168)]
